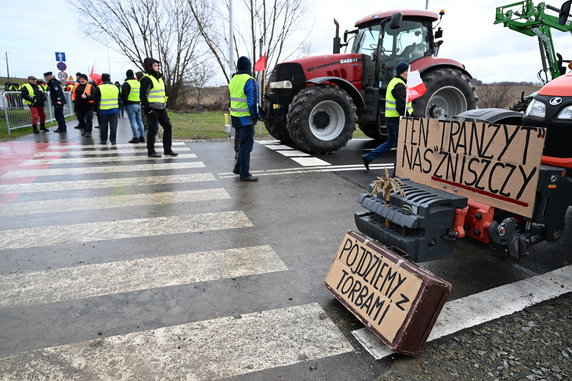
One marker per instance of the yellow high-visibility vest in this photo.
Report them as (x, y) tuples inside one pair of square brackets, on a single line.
[(238, 99), (109, 96), (156, 95), (31, 92), (390, 103), (134, 92)]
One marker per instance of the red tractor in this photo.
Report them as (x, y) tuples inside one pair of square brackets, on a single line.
[(315, 102)]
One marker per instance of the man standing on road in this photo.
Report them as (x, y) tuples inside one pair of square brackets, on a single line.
[(34, 97), (130, 93), (395, 107), (244, 115), (58, 101), (107, 100), (154, 103), (84, 105)]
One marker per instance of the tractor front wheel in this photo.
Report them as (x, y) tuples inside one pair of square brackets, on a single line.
[(278, 131), (321, 119)]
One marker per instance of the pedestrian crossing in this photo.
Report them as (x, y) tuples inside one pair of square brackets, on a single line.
[(214, 347)]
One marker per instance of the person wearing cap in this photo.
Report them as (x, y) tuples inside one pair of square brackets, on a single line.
[(130, 94), (58, 101), (107, 100), (395, 107), (84, 105), (154, 103), (244, 114), (34, 97), (80, 125)]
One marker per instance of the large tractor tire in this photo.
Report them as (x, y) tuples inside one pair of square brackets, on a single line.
[(449, 93), (321, 119), (279, 131), (372, 130)]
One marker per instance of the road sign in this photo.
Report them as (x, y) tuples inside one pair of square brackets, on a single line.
[(62, 75), (60, 56), (61, 66)]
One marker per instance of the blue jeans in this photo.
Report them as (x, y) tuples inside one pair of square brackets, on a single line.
[(246, 136), (392, 125), (108, 122), (134, 115)]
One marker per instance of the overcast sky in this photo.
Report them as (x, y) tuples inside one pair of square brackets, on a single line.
[(33, 30)]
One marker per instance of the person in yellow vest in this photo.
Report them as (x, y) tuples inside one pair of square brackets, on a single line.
[(34, 97), (130, 94), (154, 103), (84, 105), (244, 114), (395, 107), (107, 101)]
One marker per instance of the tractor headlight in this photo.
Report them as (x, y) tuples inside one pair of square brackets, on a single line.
[(281, 85), (566, 113), (536, 108)]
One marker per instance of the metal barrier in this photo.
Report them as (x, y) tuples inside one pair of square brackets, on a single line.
[(17, 114)]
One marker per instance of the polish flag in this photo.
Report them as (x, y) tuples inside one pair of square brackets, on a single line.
[(260, 65), (95, 77), (415, 86)]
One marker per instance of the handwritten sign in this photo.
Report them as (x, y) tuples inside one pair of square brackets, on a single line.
[(378, 289), (494, 164)]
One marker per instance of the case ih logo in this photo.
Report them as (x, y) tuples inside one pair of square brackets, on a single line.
[(348, 60)]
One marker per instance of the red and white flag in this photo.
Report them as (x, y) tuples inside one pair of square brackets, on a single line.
[(260, 65), (415, 86), (95, 77)]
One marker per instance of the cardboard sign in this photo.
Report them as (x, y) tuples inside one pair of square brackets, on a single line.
[(395, 298), (497, 165)]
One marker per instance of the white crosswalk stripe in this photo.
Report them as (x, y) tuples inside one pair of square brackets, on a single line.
[(116, 201), (105, 183), (102, 231), (104, 146), (112, 159), (75, 153), (204, 350), (56, 285), (104, 169)]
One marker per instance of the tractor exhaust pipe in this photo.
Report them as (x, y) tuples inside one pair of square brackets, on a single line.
[(337, 41)]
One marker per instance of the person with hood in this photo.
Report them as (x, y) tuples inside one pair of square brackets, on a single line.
[(58, 101), (130, 95), (395, 107), (84, 95), (34, 97), (154, 103), (244, 114), (107, 100)]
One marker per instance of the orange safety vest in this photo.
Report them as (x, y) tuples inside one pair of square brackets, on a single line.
[(86, 91), (73, 90)]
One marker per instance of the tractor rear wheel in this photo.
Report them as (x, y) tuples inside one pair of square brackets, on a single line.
[(279, 131), (321, 119), (449, 93)]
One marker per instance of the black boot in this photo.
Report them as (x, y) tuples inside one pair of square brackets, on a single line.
[(35, 128), (43, 127)]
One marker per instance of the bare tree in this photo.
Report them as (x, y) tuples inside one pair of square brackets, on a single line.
[(276, 20), (493, 95), (163, 29), (199, 79)]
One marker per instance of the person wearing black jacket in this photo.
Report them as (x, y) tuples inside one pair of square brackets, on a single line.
[(130, 94), (58, 101), (154, 103), (84, 94), (395, 108), (34, 97)]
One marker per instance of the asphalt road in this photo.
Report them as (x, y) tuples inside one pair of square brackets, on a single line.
[(117, 266)]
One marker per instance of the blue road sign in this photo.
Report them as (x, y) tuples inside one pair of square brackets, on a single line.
[(60, 56), (61, 66)]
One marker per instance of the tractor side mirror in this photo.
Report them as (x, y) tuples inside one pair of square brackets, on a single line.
[(564, 12), (396, 20), (439, 33)]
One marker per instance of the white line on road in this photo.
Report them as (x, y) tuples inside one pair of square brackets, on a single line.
[(293, 153), (310, 161), (289, 171), (101, 152), (107, 146), (109, 230), (484, 306), (108, 202), (204, 350), (109, 159), (103, 169), (72, 283), (105, 183)]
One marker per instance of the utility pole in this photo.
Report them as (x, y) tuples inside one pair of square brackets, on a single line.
[(7, 66), (231, 44), (426, 4)]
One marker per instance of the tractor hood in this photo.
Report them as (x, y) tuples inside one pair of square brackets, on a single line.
[(561, 86), (345, 66)]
